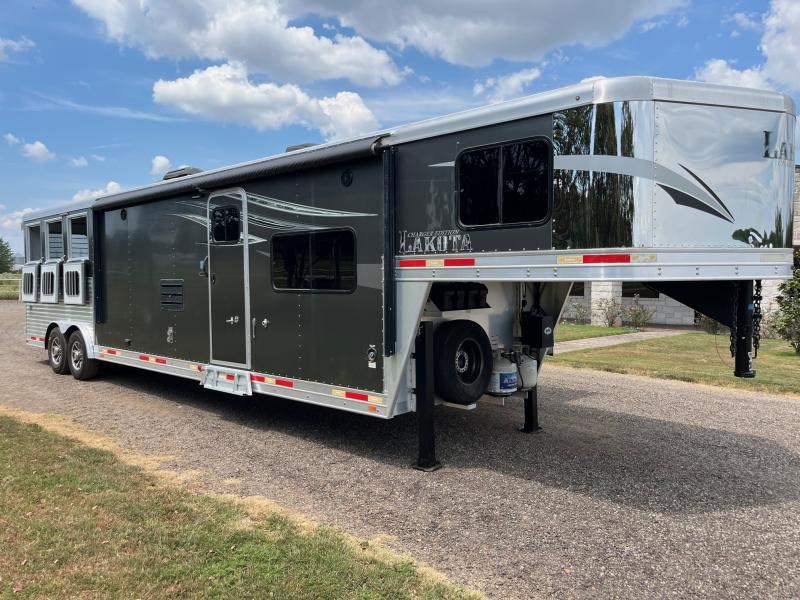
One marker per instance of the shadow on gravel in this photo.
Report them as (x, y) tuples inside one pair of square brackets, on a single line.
[(634, 461)]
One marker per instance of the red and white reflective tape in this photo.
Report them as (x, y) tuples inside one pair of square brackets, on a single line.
[(360, 396), (435, 263), (605, 259), (153, 359), (272, 380), (36, 338)]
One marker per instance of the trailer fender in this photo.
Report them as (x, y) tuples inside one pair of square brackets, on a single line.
[(86, 329)]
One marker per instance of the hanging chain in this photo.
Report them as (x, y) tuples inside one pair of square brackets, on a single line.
[(733, 321), (756, 318)]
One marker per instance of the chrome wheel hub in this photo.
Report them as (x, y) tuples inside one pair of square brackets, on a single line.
[(76, 353)]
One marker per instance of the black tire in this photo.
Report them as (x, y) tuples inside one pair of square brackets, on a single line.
[(57, 352), (82, 368), (462, 361)]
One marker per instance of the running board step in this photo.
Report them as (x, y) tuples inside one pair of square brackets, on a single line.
[(224, 379)]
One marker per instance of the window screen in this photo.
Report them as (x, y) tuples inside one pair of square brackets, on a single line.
[(55, 241), (319, 261), (506, 184), (34, 243), (225, 224), (78, 238)]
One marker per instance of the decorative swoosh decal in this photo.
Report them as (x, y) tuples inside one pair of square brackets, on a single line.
[(682, 190), (298, 209)]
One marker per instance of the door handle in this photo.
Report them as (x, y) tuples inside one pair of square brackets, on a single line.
[(254, 328), (232, 320)]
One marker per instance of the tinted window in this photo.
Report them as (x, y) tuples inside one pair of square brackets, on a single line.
[(505, 185), (525, 182), (225, 224), (319, 261), (78, 238), (477, 180)]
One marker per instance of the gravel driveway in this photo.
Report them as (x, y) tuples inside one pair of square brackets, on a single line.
[(637, 487)]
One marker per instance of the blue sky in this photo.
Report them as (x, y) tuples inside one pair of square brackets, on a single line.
[(106, 94)]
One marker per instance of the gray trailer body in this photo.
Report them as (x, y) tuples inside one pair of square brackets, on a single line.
[(306, 275)]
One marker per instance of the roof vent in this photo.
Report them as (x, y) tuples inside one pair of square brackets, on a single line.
[(181, 172), (299, 147)]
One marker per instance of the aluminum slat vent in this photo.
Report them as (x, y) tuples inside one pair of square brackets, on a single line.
[(171, 294)]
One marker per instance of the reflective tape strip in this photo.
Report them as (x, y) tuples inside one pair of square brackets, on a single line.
[(360, 396), (593, 259), (153, 359), (272, 381), (435, 263), (37, 338)]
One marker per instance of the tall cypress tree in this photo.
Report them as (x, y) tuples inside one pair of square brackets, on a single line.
[(6, 257)]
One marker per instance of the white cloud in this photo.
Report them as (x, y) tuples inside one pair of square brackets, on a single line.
[(161, 164), (225, 93), (78, 162), (720, 71), (99, 157), (112, 187), (19, 46), (37, 152), (780, 45), (593, 78), (477, 33), (257, 33), (506, 87), (11, 139), (12, 220), (650, 25), (745, 21)]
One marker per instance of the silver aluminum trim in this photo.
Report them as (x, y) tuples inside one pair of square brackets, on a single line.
[(246, 254)]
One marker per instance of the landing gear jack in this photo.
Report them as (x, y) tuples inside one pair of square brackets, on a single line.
[(531, 412), (423, 353)]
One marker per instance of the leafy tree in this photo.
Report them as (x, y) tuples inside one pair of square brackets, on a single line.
[(6, 257), (789, 301)]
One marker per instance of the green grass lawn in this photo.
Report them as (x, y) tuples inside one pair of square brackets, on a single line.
[(694, 357), (77, 522), (9, 286), (566, 332)]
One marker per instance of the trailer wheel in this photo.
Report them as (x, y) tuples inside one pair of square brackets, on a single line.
[(463, 361), (57, 352), (81, 366)]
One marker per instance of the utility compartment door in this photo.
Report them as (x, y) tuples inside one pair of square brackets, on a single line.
[(228, 282)]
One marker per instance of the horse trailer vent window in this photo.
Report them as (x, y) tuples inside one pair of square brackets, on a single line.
[(508, 184), (171, 294), (49, 287), (34, 242), (78, 238), (225, 224), (75, 281), (30, 282), (314, 262), (55, 240)]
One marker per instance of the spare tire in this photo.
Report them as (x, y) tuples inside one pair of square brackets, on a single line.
[(462, 361)]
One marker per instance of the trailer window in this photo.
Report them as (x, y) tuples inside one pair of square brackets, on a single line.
[(78, 238), (225, 224), (508, 184), (314, 262), (55, 240), (34, 244)]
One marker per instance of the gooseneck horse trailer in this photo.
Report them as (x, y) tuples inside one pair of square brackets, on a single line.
[(429, 262)]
